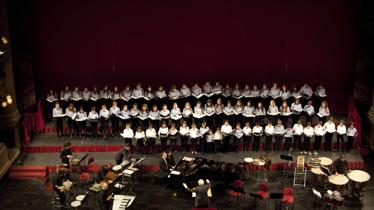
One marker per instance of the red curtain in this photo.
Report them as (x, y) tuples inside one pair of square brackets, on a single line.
[(33, 123), (354, 116)]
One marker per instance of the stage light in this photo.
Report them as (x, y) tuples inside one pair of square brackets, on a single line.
[(9, 99), (4, 104)]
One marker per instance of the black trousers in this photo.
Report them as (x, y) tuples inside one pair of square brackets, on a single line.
[(306, 144), (340, 146), (317, 143), (217, 145), (59, 126), (328, 141), (278, 142), (246, 142), (93, 126), (226, 143), (256, 142), (297, 141), (268, 142), (350, 143), (288, 143), (184, 140)]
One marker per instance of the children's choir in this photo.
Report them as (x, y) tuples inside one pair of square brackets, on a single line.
[(211, 118)]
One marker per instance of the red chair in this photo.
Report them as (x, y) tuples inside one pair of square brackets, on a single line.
[(288, 197), (84, 177), (238, 192), (263, 192)]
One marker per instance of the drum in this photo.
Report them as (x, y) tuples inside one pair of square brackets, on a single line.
[(75, 204), (338, 181), (80, 197), (325, 161), (319, 177), (358, 178), (75, 162)]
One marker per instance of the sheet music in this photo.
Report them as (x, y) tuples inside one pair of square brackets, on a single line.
[(60, 115), (121, 202), (175, 173)]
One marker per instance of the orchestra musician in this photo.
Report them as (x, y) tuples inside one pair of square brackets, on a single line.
[(341, 165), (202, 197), (123, 153), (58, 185), (66, 153)]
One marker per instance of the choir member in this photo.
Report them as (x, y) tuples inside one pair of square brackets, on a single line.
[(298, 131), (173, 137), (194, 136), (114, 112), (76, 94), (104, 115), (352, 134), (273, 111), (184, 133), (128, 134), (207, 89), (81, 118), (269, 132), (138, 91), (255, 92), (236, 92), (247, 139), (217, 138), (125, 116), (134, 113), (187, 112), (265, 94), (238, 111), (257, 132), (161, 95), (149, 93), (196, 90), (296, 109), (320, 94), (227, 91), (330, 129), (308, 135), (140, 138), (229, 112), (143, 116), (165, 113), (151, 136), (57, 114), (126, 93), (246, 92), (65, 94), (227, 130), (295, 92), (185, 92), (203, 130), (341, 131), (275, 92), (218, 107), (174, 93), (70, 113), (288, 137), (319, 132), (306, 91), (260, 113), (209, 112), (86, 95), (249, 112), (209, 141), (285, 111), (309, 110), (115, 95), (217, 89), (238, 136), (93, 117), (323, 111), (285, 93), (198, 114), (52, 96), (279, 131), (95, 95), (176, 114), (105, 93), (154, 116), (163, 134)]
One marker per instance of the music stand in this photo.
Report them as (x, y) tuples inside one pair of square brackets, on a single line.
[(277, 197), (256, 196)]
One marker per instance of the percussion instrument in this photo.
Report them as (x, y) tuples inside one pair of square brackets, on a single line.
[(358, 176), (66, 186), (80, 197), (75, 162), (317, 171), (258, 162), (325, 161), (248, 160), (338, 179), (75, 204), (95, 187)]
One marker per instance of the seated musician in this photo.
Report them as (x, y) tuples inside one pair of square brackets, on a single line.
[(170, 159), (58, 185), (341, 165), (202, 197), (123, 153), (164, 167), (103, 171), (104, 196), (66, 153)]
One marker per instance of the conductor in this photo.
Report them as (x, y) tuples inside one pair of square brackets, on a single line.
[(202, 190)]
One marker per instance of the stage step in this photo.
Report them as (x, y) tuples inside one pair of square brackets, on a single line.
[(27, 172)]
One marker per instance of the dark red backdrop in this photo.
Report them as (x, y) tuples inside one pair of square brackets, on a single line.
[(117, 42)]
